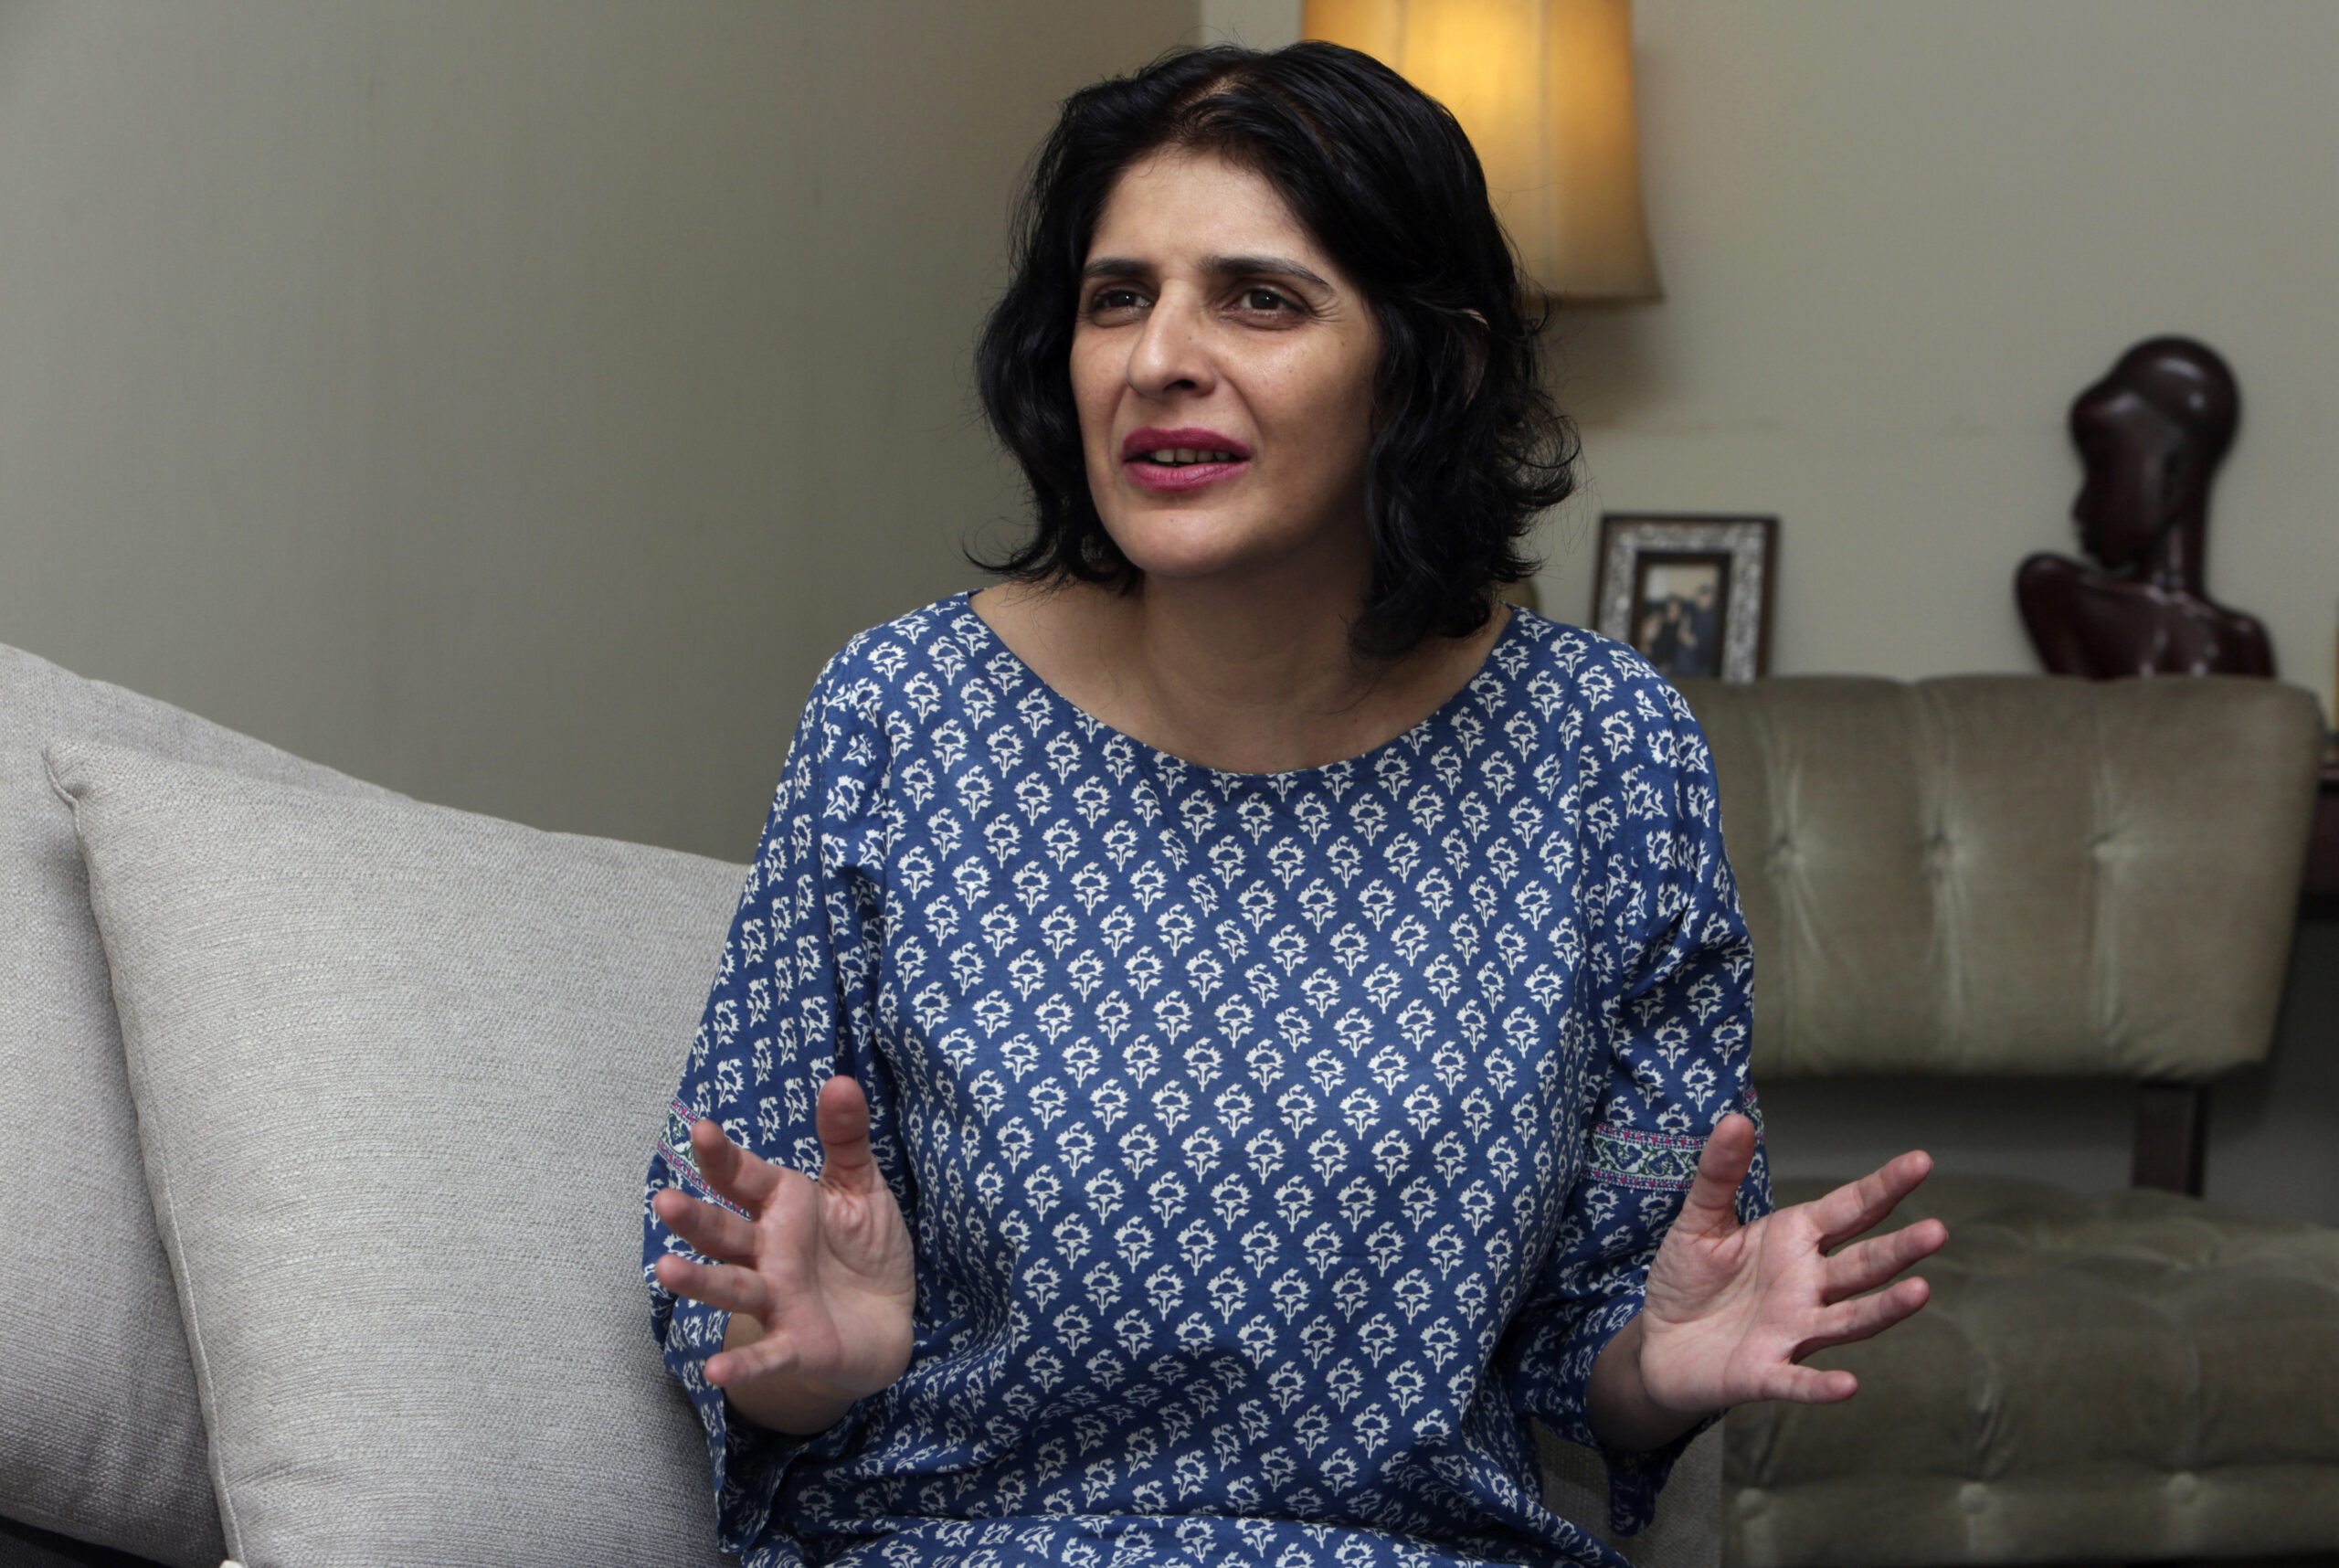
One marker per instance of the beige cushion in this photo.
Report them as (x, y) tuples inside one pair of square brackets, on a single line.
[(1684, 1534), (100, 1437), (2015, 875), (2128, 1377), (398, 1072)]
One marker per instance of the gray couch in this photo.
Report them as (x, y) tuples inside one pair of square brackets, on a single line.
[(331, 1111)]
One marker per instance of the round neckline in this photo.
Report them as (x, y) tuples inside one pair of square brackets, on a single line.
[(1414, 735)]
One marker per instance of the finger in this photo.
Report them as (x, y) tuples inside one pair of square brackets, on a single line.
[(771, 1353), (842, 1118), (1812, 1385), (1712, 1206), (722, 1286), (1865, 1316), (1858, 1205), (1866, 1264), (712, 1229), (739, 1175)]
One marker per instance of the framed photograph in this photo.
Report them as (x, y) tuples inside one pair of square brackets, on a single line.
[(1693, 594)]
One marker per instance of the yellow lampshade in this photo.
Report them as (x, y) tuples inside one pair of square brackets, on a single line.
[(1544, 88)]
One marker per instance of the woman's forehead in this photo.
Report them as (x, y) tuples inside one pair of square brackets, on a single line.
[(1177, 204)]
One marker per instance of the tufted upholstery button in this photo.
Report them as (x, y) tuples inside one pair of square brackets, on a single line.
[(2115, 1347), (1751, 1501), (1989, 875)]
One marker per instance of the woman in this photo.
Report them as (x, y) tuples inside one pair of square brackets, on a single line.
[(1265, 1003)]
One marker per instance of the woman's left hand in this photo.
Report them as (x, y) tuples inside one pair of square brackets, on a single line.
[(1732, 1310)]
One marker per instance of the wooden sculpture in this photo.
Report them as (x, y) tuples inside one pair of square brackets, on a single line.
[(2151, 434)]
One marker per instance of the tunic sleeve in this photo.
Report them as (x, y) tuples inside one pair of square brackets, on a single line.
[(1665, 1017), (794, 1001)]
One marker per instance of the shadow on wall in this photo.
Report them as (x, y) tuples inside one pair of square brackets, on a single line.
[(2269, 1126), (1603, 363), (2270, 1146)]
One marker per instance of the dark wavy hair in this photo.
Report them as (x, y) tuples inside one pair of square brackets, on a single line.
[(1467, 447)]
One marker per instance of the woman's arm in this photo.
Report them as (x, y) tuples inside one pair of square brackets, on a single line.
[(793, 1005)]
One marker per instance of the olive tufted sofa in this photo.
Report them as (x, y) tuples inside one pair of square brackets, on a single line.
[(2018, 877)]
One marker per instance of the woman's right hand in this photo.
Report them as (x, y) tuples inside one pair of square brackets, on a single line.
[(818, 1278)]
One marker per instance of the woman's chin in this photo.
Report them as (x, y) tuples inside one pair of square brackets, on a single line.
[(1195, 548), (1228, 569)]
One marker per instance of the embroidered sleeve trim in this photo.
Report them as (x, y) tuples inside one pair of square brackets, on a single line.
[(1667, 1162), (1627, 1158), (674, 1148)]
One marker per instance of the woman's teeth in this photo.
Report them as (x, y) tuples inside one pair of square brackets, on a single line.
[(1176, 456)]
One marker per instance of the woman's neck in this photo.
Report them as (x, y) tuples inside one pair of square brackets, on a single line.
[(1246, 680)]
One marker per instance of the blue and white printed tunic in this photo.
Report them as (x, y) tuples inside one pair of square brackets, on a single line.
[(1273, 1145)]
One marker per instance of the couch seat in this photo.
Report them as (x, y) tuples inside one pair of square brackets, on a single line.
[(2130, 1376)]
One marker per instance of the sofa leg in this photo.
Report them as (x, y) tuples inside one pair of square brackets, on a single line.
[(2171, 1136)]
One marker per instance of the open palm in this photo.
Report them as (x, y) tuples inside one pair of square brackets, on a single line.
[(1732, 1310), (817, 1275)]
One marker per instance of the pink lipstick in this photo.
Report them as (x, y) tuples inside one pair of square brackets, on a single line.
[(1184, 458)]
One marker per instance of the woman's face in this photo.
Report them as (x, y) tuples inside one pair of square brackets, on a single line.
[(1222, 365)]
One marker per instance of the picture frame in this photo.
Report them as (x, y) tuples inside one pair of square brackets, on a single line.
[(1691, 593)]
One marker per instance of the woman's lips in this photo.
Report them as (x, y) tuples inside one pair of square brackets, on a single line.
[(1199, 445), (1181, 476)]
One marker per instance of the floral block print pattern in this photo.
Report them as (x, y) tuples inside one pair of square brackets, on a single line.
[(1274, 1145)]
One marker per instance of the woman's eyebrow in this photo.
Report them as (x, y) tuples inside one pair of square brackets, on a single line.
[(1115, 267), (1271, 266), (1218, 266)]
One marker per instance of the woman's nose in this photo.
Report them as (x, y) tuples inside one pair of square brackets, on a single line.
[(1171, 353)]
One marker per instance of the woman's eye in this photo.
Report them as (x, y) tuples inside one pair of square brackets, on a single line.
[(1265, 300), (1112, 301)]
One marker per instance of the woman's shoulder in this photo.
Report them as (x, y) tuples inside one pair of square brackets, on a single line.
[(881, 652), (901, 663), (1562, 668)]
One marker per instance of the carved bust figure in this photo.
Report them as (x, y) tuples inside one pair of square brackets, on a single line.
[(2149, 434)]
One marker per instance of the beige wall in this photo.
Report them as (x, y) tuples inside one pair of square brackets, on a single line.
[(511, 401), (1898, 237), (1253, 24)]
